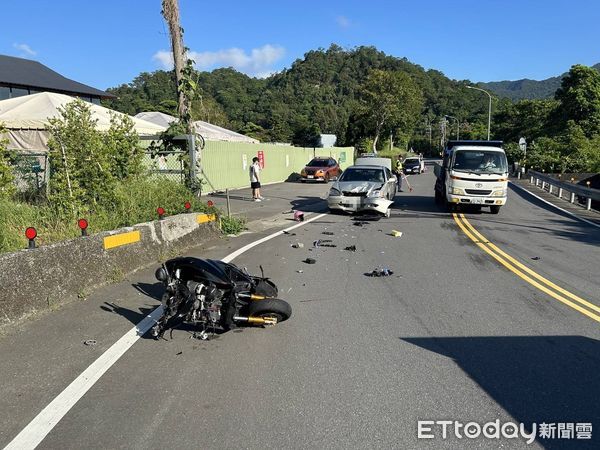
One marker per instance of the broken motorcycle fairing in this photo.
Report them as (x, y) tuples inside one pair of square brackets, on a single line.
[(215, 295)]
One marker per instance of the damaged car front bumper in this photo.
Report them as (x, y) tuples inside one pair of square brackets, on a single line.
[(359, 204)]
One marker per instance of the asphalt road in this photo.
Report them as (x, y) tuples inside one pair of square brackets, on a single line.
[(451, 335)]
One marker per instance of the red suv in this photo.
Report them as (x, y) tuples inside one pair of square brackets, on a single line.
[(320, 169)]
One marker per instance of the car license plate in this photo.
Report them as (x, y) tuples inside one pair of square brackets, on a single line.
[(477, 201), (310, 176)]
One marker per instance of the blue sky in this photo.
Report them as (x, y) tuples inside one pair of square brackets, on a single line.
[(106, 43)]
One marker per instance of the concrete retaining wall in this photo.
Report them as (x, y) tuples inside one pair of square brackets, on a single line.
[(45, 277)]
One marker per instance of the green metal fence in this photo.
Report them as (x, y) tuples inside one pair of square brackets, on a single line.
[(30, 171), (226, 164)]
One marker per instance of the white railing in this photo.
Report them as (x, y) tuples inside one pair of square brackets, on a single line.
[(559, 188)]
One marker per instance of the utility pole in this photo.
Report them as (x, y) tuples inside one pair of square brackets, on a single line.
[(489, 107), (457, 126), (170, 11)]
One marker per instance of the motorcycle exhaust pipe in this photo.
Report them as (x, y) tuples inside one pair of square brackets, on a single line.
[(256, 320), (252, 296)]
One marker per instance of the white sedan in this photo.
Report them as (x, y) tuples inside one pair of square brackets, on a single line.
[(363, 189)]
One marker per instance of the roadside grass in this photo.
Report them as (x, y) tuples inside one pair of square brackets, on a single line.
[(232, 225), (135, 202)]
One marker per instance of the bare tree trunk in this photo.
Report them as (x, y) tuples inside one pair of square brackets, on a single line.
[(170, 11)]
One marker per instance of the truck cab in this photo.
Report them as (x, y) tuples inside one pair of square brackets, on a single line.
[(472, 173)]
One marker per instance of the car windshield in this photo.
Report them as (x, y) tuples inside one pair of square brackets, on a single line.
[(317, 163), (351, 174), (411, 161), (477, 161)]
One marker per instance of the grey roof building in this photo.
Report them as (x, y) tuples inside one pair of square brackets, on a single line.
[(20, 76)]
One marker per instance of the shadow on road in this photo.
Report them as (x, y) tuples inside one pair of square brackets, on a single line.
[(551, 379), (154, 290), (133, 316), (308, 204)]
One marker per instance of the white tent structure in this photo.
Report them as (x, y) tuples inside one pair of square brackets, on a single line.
[(26, 119), (208, 131)]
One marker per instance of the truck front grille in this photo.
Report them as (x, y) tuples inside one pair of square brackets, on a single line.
[(478, 191)]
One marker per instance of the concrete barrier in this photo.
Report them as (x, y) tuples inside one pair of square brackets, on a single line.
[(48, 276)]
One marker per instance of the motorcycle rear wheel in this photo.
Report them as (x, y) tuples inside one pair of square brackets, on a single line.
[(272, 307)]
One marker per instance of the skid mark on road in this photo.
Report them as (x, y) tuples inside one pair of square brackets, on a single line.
[(527, 274)]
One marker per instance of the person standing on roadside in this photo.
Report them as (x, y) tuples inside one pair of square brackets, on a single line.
[(399, 172), (255, 179)]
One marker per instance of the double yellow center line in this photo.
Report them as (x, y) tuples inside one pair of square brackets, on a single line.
[(524, 272)]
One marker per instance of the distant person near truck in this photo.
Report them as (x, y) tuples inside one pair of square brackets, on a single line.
[(399, 172)]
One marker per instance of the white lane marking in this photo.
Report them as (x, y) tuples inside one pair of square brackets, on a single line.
[(554, 206), (245, 248), (31, 436)]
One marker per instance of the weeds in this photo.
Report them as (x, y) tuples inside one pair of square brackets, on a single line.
[(232, 225)]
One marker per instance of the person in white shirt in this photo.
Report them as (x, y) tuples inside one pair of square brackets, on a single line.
[(255, 179)]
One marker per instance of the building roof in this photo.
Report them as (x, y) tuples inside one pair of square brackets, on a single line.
[(207, 130), (25, 72), (32, 112)]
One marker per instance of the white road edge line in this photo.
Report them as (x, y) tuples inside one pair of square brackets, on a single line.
[(35, 432), (554, 206)]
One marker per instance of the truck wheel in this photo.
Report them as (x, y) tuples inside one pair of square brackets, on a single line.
[(495, 209)]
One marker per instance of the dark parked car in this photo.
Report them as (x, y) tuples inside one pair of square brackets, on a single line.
[(320, 169)]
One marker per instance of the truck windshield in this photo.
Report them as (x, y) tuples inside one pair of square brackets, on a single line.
[(478, 161)]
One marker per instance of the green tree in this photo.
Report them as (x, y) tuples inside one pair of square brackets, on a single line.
[(81, 174), (579, 97), (122, 145), (389, 101)]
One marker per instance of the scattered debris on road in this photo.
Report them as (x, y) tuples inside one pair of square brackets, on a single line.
[(298, 245), (310, 261), (90, 342), (328, 233), (535, 258), (369, 217), (351, 248), (380, 272), (396, 233), (300, 271), (299, 216), (360, 223), (323, 243), (288, 233)]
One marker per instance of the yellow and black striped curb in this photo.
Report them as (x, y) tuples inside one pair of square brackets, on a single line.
[(131, 237)]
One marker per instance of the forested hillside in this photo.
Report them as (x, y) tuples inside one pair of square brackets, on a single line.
[(363, 95), (525, 88), (318, 93)]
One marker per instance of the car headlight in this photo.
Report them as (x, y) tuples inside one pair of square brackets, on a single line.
[(303, 173), (457, 191), (378, 193), (334, 192), (501, 193)]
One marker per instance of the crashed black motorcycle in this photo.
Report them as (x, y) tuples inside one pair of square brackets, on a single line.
[(216, 296)]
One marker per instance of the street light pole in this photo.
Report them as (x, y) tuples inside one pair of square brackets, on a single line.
[(457, 126), (489, 108)]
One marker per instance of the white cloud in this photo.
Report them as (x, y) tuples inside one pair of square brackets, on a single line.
[(257, 63), (343, 22), (164, 59), (25, 49)]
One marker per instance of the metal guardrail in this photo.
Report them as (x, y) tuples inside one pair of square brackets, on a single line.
[(573, 189)]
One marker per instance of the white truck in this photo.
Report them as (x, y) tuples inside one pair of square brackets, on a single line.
[(472, 173)]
